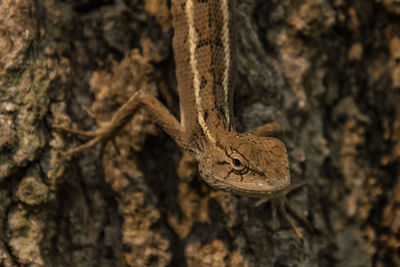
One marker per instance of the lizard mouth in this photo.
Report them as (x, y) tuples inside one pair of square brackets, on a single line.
[(258, 189)]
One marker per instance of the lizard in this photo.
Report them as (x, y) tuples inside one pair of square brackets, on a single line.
[(204, 53)]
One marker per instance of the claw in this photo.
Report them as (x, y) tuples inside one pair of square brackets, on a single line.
[(72, 131), (76, 150), (88, 111)]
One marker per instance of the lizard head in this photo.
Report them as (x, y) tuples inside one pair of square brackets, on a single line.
[(247, 165)]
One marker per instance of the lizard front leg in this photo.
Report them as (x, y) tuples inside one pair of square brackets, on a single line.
[(141, 99)]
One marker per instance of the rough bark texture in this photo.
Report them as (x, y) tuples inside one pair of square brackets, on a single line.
[(327, 70)]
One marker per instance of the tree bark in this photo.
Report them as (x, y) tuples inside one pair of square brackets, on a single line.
[(327, 70)]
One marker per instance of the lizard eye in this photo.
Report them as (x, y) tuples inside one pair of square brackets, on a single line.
[(238, 163)]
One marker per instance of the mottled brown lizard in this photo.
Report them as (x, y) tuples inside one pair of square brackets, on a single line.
[(204, 53)]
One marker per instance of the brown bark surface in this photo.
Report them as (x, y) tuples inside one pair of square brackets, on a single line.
[(327, 70)]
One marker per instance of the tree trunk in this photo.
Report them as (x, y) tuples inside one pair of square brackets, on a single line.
[(327, 70)]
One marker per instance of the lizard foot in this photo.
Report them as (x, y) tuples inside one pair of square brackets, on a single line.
[(107, 130), (280, 205), (101, 134)]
